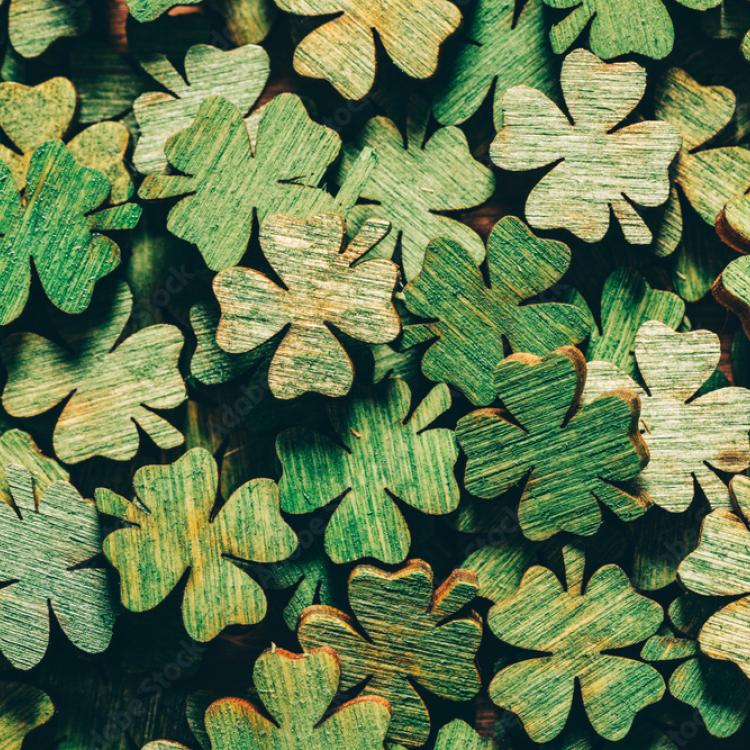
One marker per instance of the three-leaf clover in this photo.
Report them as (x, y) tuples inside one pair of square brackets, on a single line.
[(35, 24), (377, 453), (173, 528), (415, 179), (342, 49), (688, 435), (45, 546), (23, 708), (53, 223), (569, 458), (472, 321), (230, 184), (409, 635), (601, 167), (575, 629), (113, 387), (496, 37), (323, 285), (239, 75)]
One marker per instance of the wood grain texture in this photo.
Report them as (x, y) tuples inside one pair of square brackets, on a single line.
[(405, 634), (22, 709), (569, 457), (458, 735), (688, 435), (44, 546), (473, 322), (500, 48), (33, 25), (415, 181), (732, 289), (602, 166), (383, 448), (230, 184), (342, 50), (172, 528), (238, 75), (324, 284), (247, 21), (54, 223), (149, 10), (576, 630), (114, 385)]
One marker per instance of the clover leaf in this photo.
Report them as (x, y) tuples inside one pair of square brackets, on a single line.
[(113, 388), (45, 546), (568, 458), (35, 24), (173, 528), (149, 10), (342, 49), (472, 321), (323, 284), (22, 709), (370, 425), (601, 167), (576, 630), (409, 636)]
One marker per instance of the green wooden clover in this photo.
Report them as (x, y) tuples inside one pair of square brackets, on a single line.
[(576, 630), (231, 188), (409, 636), (35, 24), (45, 545), (114, 388), (53, 223), (172, 529), (382, 448)]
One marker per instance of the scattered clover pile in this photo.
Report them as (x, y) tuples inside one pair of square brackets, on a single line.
[(374, 374)]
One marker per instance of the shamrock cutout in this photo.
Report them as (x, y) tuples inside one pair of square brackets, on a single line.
[(495, 38), (409, 636), (472, 321), (342, 50), (687, 436), (173, 528), (149, 10), (54, 224), (233, 186), (296, 691), (414, 179), (45, 545), (323, 284), (32, 115), (601, 167), (35, 24), (22, 709), (720, 566), (370, 425), (114, 387), (238, 75), (732, 290), (568, 457), (628, 301), (575, 629)]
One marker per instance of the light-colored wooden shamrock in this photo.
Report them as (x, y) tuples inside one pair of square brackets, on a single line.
[(23, 709), (415, 178), (495, 38), (576, 629), (409, 636), (570, 458), (173, 529), (231, 188), (323, 284), (149, 10), (296, 691), (602, 167), (342, 49), (472, 321), (732, 289), (382, 449), (44, 546), (35, 24), (688, 436), (113, 388), (619, 27), (53, 223), (720, 566), (239, 75)]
